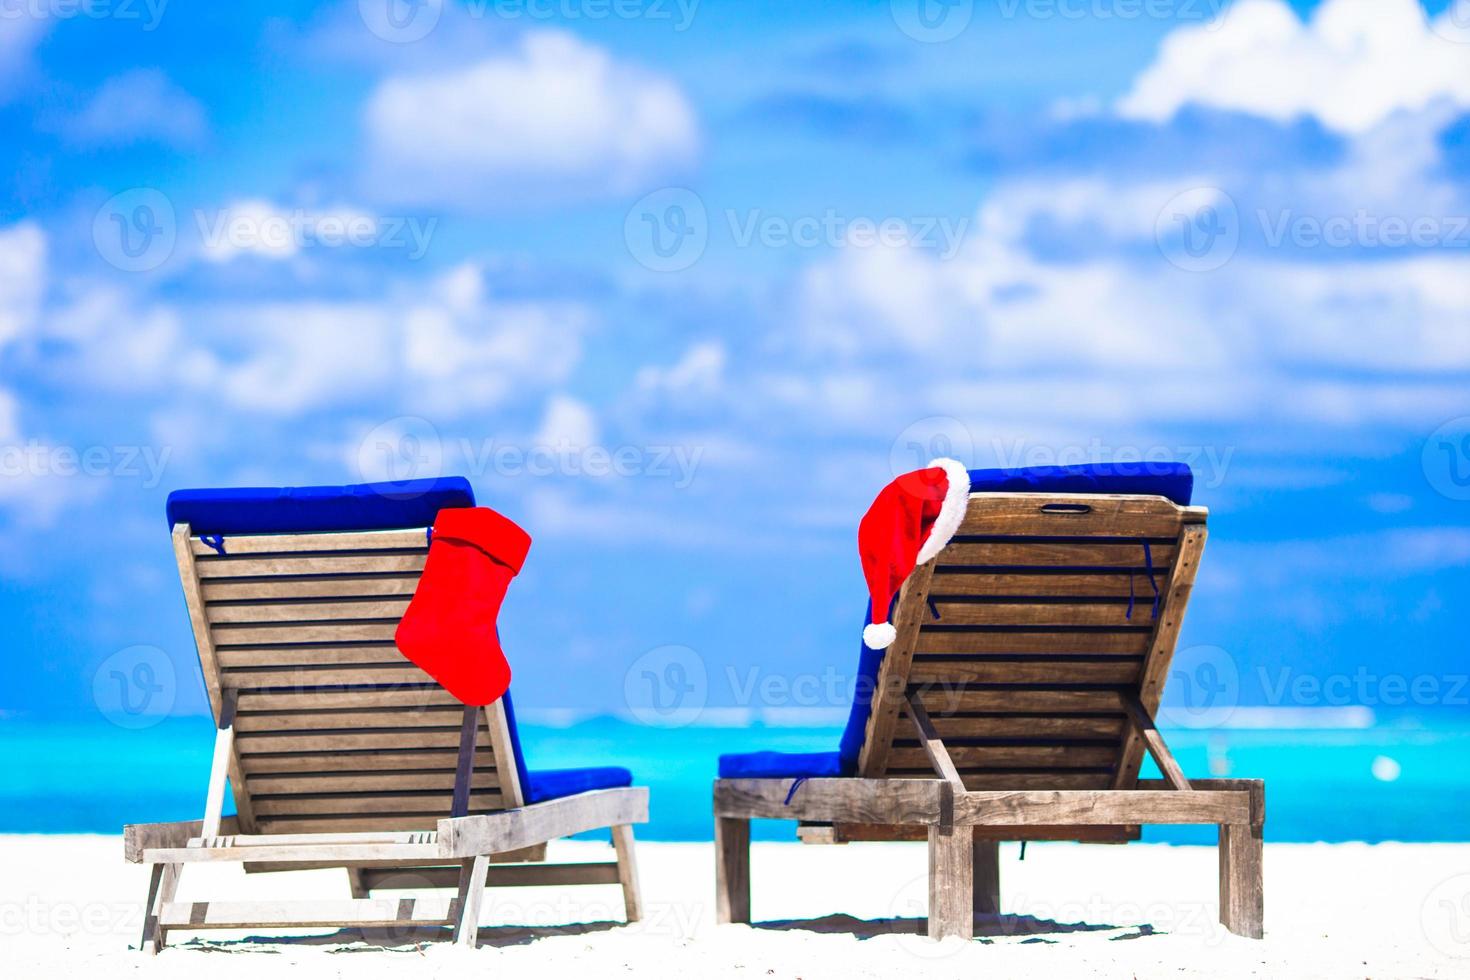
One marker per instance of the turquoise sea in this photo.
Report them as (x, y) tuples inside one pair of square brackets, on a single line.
[(1347, 776)]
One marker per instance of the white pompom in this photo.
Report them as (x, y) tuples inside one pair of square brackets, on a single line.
[(879, 635)]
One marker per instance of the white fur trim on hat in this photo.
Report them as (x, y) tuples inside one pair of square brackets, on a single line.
[(951, 512), (879, 636)]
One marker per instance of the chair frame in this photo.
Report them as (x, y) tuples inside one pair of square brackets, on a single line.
[(963, 826), (466, 852)]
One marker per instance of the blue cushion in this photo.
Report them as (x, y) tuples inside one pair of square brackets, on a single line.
[(780, 765), (1171, 480), (282, 510), (553, 784)]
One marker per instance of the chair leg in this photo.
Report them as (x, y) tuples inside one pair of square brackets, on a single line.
[(163, 885), (622, 836), (732, 869), (951, 882), (1242, 894), (355, 883), (471, 893), (987, 877)]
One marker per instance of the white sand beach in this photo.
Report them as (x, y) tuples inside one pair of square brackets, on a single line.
[(70, 907)]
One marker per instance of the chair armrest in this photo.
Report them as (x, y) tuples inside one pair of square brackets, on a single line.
[(138, 837), (509, 830)]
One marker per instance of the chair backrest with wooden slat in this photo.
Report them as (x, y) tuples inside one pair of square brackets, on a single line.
[(335, 730), (1024, 636)]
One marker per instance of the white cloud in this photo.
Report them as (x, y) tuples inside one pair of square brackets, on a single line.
[(568, 423), (1120, 337), (700, 370), (22, 278), (1355, 63), (553, 120), (445, 347), (137, 107)]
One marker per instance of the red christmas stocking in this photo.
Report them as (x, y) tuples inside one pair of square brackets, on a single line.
[(449, 628)]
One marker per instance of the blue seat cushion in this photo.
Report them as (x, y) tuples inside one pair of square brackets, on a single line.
[(553, 784), (285, 510), (780, 765), (1171, 480), (1174, 481)]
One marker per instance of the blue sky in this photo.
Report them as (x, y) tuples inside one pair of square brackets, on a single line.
[(253, 244)]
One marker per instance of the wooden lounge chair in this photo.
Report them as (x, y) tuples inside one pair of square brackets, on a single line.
[(1015, 704), (339, 751)]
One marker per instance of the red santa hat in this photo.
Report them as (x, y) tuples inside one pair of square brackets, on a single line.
[(910, 522)]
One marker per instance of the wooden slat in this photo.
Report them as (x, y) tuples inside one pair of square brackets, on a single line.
[(225, 567), (389, 675), (1010, 700), (1007, 757), (275, 721), (844, 833), (1114, 642), (1046, 613), (437, 803), (402, 696), (315, 633), (1010, 808), (1067, 554), (1039, 583), (366, 782), (308, 656), (316, 742), (257, 544), (509, 876), (358, 912), (1037, 780), (858, 800), (1027, 670), (1067, 726), (296, 612), (300, 825), (1057, 515), (219, 590), (314, 762)]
